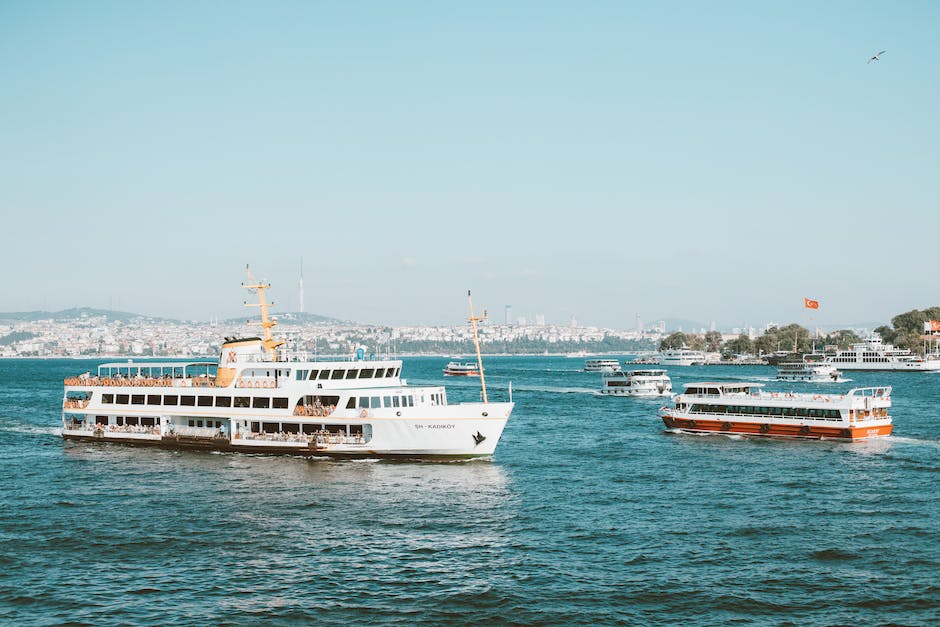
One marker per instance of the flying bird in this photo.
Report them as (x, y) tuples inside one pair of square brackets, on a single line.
[(876, 57)]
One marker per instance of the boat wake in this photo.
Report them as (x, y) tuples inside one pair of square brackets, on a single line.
[(31, 430), (914, 441)]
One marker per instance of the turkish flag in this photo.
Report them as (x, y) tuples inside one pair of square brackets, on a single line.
[(810, 304)]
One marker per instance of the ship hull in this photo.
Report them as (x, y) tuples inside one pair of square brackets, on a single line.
[(803, 431)]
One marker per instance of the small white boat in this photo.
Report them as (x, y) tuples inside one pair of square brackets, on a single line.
[(601, 365), (808, 371), (457, 369), (637, 383)]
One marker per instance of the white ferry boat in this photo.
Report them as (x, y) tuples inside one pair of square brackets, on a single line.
[(602, 365), (873, 354), (681, 357), (744, 408), (808, 371), (637, 383), (260, 398), (457, 369)]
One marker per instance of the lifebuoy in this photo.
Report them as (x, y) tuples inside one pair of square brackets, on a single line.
[(726, 426), (364, 413), (804, 429), (765, 428), (846, 433)]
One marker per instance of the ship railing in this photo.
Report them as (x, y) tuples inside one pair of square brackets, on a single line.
[(75, 425), (166, 381), (74, 403), (259, 382), (106, 429), (197, 432), (321, 438)]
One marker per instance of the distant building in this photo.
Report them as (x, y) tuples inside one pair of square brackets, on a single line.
[(509, 314), (540, 320)]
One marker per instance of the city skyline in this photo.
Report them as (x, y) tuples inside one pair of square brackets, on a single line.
[(716, 163)]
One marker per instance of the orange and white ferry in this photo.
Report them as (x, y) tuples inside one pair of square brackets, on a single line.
[(746, 409), (262, 398)]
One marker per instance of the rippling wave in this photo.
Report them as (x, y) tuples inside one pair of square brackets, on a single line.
[(590, 512)]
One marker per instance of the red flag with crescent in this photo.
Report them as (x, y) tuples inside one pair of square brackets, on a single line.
[(810, 304)]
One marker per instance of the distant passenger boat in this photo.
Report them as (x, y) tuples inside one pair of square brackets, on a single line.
[(745, 409), (457, 369), (808, 371), (602, 365), (637, 383), (681, 357), (873, 354)]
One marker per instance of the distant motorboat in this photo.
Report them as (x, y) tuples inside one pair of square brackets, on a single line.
[(602, 365), (808, 371), (457, 369), (637, 383)]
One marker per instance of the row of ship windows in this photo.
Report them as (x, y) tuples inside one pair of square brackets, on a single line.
[(868, 360), (800, 412), (256, 402), (354, 373)]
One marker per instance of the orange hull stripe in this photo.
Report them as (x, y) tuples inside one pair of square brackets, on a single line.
[(756, 428)]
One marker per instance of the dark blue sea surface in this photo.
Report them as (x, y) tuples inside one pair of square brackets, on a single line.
[(588, 513)]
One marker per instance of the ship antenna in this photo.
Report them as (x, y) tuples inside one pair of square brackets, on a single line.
[(476, 343), (267, 323)]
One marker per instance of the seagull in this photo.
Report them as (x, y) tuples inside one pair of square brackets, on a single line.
[(877, 57)]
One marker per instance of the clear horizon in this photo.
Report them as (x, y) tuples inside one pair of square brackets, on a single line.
[(596, 160)]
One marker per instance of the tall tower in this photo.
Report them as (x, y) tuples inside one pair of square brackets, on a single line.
[(301, 285), (508, 314), (639, 324)]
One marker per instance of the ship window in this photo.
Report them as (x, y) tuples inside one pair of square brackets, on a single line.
[(261, 402), (122, 399), (351, 403), (130, 420), (223, 401), (376, 402), (379, 373), (242, 401), (120, 421), (290, 427), (387, 401), (169, 399), (355, 429), (205, 401), (188, 400), (302, 374), (313, 374), (256, 427), (146, 421), (397, 372), (309, 428), (107, 399), (192, 423), (279, 402), (366, 373), (271, 427), (411, 401), (352, 374), (364, 402), (153, 399), (337, 374), (324, 374), (396, 401), (198, 423)]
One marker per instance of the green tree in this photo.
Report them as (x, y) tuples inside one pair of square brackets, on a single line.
[(741, 345), (713, 341), (674, 340)]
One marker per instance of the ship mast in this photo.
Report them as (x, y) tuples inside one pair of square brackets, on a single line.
[(476, 343), (267, 323)]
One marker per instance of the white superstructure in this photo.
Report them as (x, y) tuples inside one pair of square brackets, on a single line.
[(637, 383), (260, 397), (873, 354)]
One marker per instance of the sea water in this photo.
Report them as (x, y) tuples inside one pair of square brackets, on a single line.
[(589, 512)]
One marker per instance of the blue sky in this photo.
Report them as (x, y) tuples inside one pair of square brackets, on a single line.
[(710, 161)]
